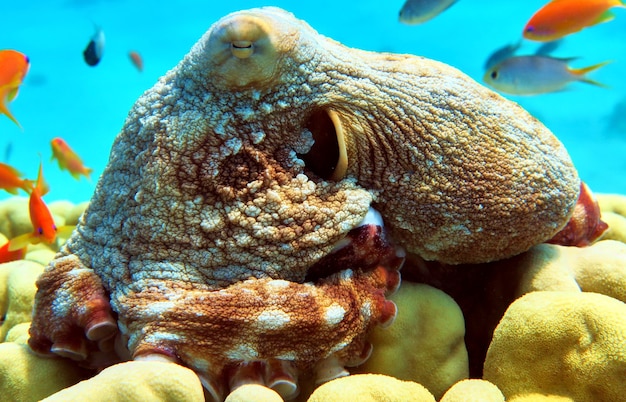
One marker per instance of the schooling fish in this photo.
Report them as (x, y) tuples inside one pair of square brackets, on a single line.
[(531, 75), (68, 159), (44, 228), (11, 180), (559, 18), (94, 50), (419, 11), (13, 68)]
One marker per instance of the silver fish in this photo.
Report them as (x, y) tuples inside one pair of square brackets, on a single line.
[(419, 11), (534, 74)]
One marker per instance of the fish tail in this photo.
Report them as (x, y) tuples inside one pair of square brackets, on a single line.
[(581, 72), (5, 110), (88, 172), (41, 184)]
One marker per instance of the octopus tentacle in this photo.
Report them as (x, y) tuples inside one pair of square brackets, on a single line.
[(243, 333), (72, 315)]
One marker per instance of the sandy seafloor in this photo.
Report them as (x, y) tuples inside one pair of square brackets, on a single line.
[(62, 96)]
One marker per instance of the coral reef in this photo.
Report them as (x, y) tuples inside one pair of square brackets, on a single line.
[(136, 381), (570, 344), (425, 344), (473, 390), (371, 388)]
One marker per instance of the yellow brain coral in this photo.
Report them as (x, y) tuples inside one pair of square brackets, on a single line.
[(371, 388), (17, 292), (136, 381), (613, 208), (253, 392), (425, 342), (598, 268), (473, 390), (566, 344), (26, 377)]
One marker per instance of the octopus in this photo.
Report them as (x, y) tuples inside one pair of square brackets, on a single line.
[(260, 199)]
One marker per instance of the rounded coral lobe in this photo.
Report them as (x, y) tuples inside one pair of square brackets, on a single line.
[(234, 229)]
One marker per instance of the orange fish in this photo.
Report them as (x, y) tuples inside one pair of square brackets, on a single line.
[(10, 180), (44, 228), (563, 17), (7, 256), (13, 68), (68, 159), (136, 59)]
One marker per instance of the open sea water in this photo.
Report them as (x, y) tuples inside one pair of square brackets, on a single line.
[(64, 97)]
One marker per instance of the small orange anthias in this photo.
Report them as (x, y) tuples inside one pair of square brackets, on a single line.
[(44, 228), (136, 59), (68, 159), (13, 68), (559, 18), (11, 180)]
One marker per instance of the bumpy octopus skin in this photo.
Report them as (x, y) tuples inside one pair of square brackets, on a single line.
[(233, 232)]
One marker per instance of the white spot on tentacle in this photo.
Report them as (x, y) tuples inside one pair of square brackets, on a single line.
[(242, 352), (334, 314), (366, 310), (159, 337), (279, 284), (272, 319)]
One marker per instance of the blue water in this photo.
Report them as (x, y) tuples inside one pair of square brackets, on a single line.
[(62, 96)]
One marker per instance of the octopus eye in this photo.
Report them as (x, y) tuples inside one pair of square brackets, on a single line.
[(242, 49), (327, 158), (40, 230)]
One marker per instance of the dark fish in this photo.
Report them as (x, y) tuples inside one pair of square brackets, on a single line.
[(501, 54), (94, 50), (8, 151), (548, 47), (509, 51)]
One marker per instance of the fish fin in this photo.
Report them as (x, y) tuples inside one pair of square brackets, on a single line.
[(41, 184), (593, 82), (13, 94), (5, 110), (604, 17), (21, 241), (11, 190), (88, 173), (28, 185), (582, 71), (64, 232)]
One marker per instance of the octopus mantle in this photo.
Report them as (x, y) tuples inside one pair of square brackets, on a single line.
[(233, 230)]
